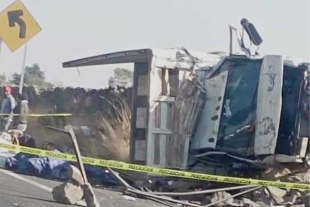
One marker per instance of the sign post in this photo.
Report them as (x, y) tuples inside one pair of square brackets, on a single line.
[(0, 48), (21, 82)]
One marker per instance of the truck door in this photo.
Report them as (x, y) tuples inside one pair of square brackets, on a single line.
[(269, 104)]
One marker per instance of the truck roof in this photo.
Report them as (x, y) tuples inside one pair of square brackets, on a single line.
[(172, 56), (144, 55)]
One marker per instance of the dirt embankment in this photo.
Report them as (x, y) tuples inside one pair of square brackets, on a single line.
[(105, 112)]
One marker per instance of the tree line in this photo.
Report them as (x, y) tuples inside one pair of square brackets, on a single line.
[(34, 75)]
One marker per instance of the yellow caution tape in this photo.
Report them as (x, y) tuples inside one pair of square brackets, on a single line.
[(39, 115), (156, 170)]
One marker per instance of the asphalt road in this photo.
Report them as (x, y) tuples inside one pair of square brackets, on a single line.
[(28, 191), (15, 192)]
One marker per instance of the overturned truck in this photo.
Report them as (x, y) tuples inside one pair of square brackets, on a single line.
[(193, 110)]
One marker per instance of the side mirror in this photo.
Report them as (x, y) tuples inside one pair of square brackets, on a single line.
[(252, 32)]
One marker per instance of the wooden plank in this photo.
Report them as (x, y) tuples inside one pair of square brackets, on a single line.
[(162, 150), (163, 115), (154, 92), (163, 126), (140, 150), (156, 138), (166, 99), (143, 87), (141, 118), (77, 152), (158, 115)]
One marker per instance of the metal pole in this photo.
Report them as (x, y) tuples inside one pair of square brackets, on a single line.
[(202, 191), (0, 48), (21, 83), (231, 30), (230, 41), (1, 41)]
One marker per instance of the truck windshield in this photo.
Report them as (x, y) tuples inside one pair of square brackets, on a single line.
[(236, 131)]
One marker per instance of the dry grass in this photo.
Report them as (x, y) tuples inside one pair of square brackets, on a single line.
[(112, 138), (111, 131)]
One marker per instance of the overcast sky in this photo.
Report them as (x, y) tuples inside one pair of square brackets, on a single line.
[(74, 29)]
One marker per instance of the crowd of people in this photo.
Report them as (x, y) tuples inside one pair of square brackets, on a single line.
[(14, 111)]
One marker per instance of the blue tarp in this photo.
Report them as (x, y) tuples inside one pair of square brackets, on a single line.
[(52, 168), (45, 167), (99, 175)]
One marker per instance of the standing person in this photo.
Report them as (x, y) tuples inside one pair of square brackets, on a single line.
[(7, 106), (22, 109)]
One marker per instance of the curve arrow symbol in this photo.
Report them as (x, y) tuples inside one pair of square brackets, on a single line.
[(15, 18)]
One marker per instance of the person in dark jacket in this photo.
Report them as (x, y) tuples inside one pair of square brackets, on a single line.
[(7, 106), (22, 109)]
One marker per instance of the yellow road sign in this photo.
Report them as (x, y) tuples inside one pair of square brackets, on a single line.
[(17, 25)]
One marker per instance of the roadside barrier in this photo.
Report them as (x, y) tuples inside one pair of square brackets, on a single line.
[(156, 170)]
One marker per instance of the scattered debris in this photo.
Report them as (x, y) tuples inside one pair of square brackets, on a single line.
[(276, 194), (75, 175), (223, 196), (68, 193), (129, 198)]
